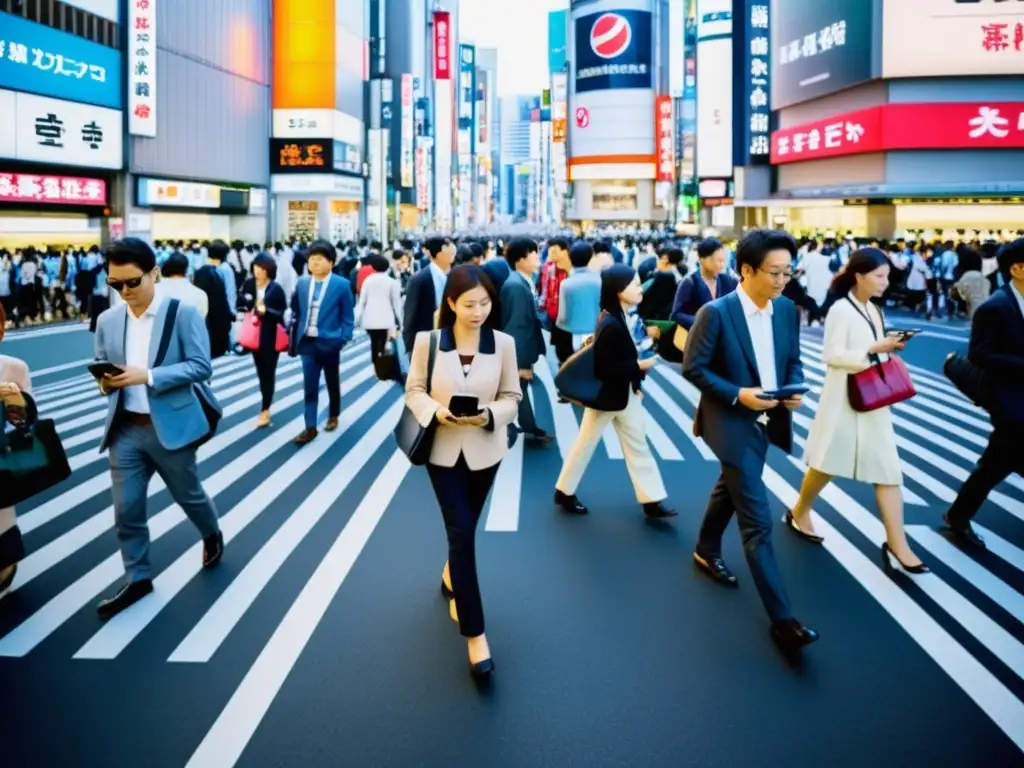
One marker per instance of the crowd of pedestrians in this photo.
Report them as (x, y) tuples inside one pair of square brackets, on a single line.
[(465, 324)]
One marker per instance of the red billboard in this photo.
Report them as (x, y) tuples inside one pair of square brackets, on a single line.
[(442, 45), (893, 127), (665, 137), (57, 190)]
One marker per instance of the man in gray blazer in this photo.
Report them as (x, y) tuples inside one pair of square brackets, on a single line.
[(160, 408), (519, 319), (741, 346)]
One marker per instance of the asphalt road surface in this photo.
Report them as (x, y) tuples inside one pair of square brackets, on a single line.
[(323, 640)]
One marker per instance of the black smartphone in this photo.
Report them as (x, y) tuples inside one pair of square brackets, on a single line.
[(784, 393), (99, 370), (464, 405), (905, 334)]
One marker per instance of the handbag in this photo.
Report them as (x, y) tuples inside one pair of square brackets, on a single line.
[(249, 334), (32, 460), (211, 410), (883, 384), (576, 380), (970, 379), (415, 440)]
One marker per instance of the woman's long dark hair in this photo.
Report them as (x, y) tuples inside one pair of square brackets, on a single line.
[(863, 261), (464, 278), (614, 281)]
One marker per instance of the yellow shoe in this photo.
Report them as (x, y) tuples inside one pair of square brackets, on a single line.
[(453, 612)]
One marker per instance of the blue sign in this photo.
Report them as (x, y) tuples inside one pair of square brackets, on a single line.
[(558, 39), (752, 106), (467, 87), (38, 59), (818, 48), (613, 51)]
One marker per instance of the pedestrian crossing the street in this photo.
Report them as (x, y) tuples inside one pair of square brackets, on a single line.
[(967, 615)]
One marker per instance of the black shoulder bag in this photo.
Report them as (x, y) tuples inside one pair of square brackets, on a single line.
[(413, 439)]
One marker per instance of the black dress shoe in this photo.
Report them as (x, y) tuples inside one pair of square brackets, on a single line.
[(715, 567), (482, 670), (658, 511), (964, 534), (213, 550), (791, 635), (127, 596), (7, 577), (569, 503), (541, 437), (306, 436)]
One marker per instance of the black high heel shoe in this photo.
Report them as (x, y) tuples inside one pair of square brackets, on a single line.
[(790, 522), (482, 670), (8, 578), (887, 563)]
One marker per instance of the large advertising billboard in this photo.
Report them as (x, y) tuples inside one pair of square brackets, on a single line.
[(753, 144), (614, 50), (987, 38), (714, 89), (819, 48), (558, 40)]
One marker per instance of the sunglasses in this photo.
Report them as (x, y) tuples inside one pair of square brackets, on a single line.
[(121, 285)]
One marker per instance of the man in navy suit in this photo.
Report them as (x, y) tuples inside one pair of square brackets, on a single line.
[(323, 313), (709, 282), (740, 346), (997, 347), (423, 294)]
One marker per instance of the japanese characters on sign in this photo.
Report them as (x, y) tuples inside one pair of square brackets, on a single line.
[(613, 50), (38, 59), (423, 172), (442, 45), (665, 136), (758, 146), (304, 155), (989, 35), (467, 86), (159, 193), (58, 190), (142, 68), (813, 43), (61, 132), (894, 127), (408, 135)]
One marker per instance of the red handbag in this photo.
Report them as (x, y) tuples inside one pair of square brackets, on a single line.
[(881, 385), (249, 336)]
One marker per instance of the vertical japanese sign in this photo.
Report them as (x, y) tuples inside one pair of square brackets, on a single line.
[(423, 172), (142, 68), (665, 137), (467, 86), (408, 132), (442, 45), (758, 67)]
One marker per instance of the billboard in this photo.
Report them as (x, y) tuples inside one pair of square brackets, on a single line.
[(39, 59), (664, 130), (613, 50), (988, 35), (895, 127), (442, 45), (408, 133), (467, 86), (142, 68), (714, 89), (52, 190), (754, 111), (558, 40), (819, 48)]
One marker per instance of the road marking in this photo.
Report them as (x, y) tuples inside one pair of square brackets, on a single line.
[(35, 333), (226, 740), (506, 495), (675, 413), (1001, 548), (567, 429), (659, 439), (232, 604)]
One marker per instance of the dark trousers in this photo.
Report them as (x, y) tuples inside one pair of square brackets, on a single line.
[(97, 306), (461, 494), (742, 490), (527, 420), (1001, 458), (562, 342), (315, 361), (266, 372), (378, 342)]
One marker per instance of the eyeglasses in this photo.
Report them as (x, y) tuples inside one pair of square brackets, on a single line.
[(780, 277), (121, 285)]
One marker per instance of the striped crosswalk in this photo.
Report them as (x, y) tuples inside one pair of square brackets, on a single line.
[(968, 615)]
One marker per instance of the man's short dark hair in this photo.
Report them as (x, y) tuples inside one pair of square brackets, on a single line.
[(322, 248), (558, 242), (434, 245), (175, 266), (1010, 254), (672, 253), (708, 247), (756, 244), (581, 254), (518, 249), (218, 251), (132, 250)]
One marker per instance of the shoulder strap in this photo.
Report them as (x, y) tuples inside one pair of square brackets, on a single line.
[(168, 329), (874, 330), (434, 335)]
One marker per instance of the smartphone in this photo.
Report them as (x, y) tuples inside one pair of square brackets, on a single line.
[(99, 370), (464, 405), (905, 334), (784, 393)]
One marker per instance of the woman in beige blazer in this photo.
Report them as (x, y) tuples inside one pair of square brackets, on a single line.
[(15, 387), (471, 359), (843, 442)]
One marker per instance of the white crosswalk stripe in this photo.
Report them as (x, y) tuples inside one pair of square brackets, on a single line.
[(253, 476)]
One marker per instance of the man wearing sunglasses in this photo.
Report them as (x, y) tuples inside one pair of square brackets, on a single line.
[(157, 414)]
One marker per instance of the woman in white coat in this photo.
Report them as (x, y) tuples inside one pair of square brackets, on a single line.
[(380, 306), (843, 442)]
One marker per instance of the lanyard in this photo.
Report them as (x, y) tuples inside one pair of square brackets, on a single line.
[(312, 287)]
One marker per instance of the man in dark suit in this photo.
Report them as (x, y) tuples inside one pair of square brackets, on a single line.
[(740, 346), (423, 294), (519, 319), (997, 347)]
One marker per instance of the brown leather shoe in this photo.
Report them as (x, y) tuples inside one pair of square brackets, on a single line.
[(306, 436), (331, 425)]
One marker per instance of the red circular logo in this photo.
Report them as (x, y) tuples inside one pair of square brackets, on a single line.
[(610, 36), (582, 117)]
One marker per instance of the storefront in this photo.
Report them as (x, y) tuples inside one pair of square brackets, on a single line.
[(327, 205), (167, 209)]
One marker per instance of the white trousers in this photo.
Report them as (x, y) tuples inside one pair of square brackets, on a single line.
[(631, 427)]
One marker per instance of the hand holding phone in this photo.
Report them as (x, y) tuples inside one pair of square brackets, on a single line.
[(905, 334), (785, 393), (100, 370), (464, 406)]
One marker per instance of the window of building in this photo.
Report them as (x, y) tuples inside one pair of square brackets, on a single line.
[(59, 15)]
